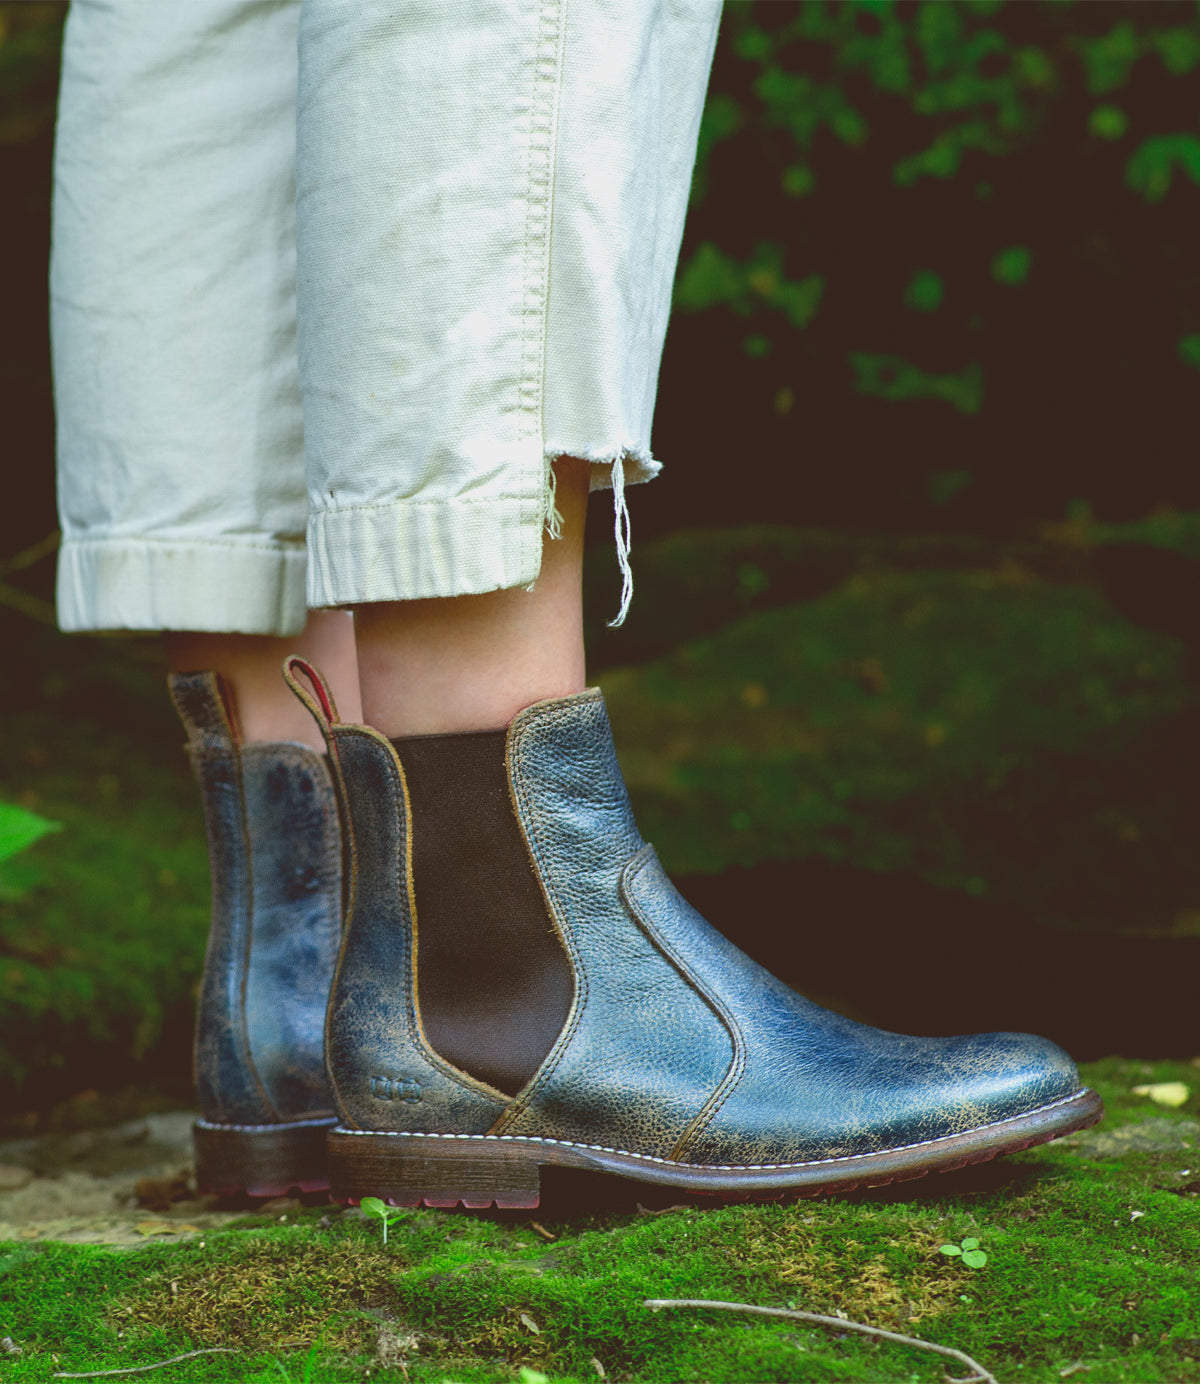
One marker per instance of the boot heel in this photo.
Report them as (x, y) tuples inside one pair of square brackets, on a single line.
[(416, 1169), (261, 1160)]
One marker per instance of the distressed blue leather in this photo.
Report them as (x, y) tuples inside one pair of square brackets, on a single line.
[(678, 1045), (617, 1067), (385, 1074), (275, 852), (812, 1084), (739, 1069)]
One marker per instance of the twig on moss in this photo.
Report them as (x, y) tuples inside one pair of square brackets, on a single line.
[(979, 1374), (141, 1369)]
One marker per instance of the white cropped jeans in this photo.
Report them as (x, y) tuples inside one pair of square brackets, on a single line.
[(334, 281)]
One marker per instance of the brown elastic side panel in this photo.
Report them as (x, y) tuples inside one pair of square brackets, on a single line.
[(494, 981)]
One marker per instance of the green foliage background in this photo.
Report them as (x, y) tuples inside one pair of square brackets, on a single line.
[(940, 264)]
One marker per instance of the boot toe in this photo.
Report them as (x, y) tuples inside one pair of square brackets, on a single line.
[(975, 1082), (1011, 1074), (871, 1092)]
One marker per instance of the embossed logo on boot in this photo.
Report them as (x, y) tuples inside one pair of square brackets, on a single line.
[(395, 1088)]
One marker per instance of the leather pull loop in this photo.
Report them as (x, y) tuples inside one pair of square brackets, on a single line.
[(205, 705), (321, 707)]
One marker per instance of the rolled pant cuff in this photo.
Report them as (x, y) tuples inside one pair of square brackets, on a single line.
[(225, 587), (410, 550)]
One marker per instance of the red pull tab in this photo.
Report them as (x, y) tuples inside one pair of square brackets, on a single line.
[(322, 707)]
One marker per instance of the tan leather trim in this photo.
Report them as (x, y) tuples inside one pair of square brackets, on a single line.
[(737, 1064), (512, 756)]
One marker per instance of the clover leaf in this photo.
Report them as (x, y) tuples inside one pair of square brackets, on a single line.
[(968, 1250), (372, 1206)]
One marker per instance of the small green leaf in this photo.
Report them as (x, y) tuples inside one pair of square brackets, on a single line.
[(1011, 266), (925, 291), (949, 1249), (1154, 162), (801, 300), (849, 126), (970, 1243), (374, 1207), (798, 180), (890, 377), (1108, 122), (753, 44), (1189, 349), (1179, 49), (20, 828), (974, 1259), (1034, 67), (1109, 58)]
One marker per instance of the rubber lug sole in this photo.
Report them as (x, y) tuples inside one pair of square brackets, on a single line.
[(261, 1160), (481, 1170)]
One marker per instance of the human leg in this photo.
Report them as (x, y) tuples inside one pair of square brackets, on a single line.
[(182, 498), (250, 663), (471, 662), (519, 983)]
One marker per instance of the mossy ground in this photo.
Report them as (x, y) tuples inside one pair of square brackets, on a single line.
[(1092, 1243)]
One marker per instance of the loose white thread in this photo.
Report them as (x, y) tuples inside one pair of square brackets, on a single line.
[(622, 534), (553, 519)]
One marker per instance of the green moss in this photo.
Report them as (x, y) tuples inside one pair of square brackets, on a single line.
[(100, 952), (695, 581), (984, 730), (1073, 1274)]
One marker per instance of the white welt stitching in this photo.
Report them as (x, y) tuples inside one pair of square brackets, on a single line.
[(264, 1128), (702, 1167)]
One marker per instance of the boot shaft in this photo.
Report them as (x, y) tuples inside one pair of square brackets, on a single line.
[(275, 854), (542, 844)]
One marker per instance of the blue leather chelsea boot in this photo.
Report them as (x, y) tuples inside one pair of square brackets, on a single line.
[(521, 986), (275, 848)]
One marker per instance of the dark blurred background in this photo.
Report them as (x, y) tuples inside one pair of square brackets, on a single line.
[(907, 698)]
